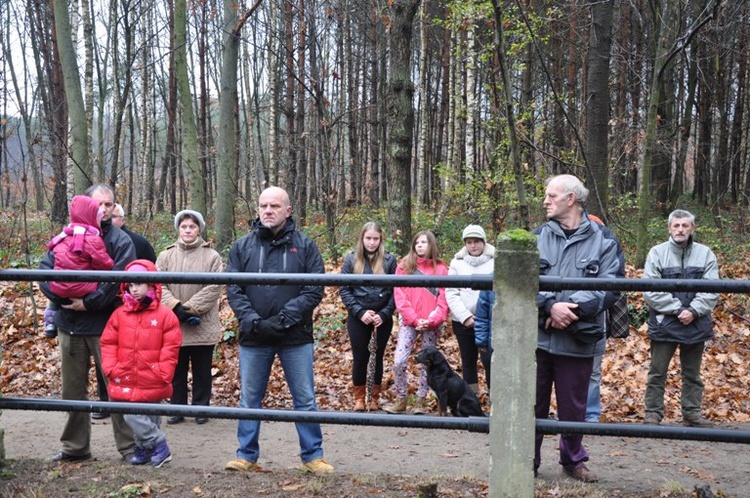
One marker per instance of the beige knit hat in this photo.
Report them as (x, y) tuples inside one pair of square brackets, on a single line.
[(474, 232)]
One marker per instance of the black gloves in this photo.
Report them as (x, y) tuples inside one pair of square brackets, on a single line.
[(269, 331), (184, 316)]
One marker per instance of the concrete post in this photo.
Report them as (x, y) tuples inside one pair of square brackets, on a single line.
[(514, 340)]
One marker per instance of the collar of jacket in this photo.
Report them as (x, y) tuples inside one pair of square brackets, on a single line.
[(280, 238), (186, 247)]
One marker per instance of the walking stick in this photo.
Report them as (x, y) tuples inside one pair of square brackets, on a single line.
[(372, 347)]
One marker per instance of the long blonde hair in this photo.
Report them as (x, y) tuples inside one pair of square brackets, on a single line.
[(360, 254), (409, 262)]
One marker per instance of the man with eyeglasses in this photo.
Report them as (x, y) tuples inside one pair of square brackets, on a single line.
[(80, 325)]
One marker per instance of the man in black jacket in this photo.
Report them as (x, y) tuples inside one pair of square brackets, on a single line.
[(276, 320), (143, 248), (80, 325)]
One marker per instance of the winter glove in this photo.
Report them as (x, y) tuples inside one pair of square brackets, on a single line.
[(184, 316), (269, 331)]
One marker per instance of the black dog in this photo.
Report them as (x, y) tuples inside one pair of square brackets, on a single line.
[(451, 390)]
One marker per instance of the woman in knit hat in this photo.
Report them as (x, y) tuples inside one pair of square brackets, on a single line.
[(196, 306), (477, 257)]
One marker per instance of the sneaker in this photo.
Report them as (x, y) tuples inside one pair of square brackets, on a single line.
[(651, 418), (243, 465), (581, 473), (161, 455), (140, 456), (398, 406), (695, 420), (420, 406), (317, 466), (174, 419)]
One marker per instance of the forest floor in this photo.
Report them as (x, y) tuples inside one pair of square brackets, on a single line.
[(369, 461)]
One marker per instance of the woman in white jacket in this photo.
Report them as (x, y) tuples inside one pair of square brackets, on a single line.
[(477, 257)]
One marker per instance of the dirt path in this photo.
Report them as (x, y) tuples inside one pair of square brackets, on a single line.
[(637, 466)]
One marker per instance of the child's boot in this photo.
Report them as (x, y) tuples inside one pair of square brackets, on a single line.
[(374, 401), (50, 330), (140, 456), (359, 398)]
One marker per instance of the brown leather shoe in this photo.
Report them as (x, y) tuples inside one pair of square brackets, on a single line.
[(66, 457), (581, 473), (651, 418), (695, 420)]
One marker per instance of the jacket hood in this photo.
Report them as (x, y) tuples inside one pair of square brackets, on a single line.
[(142, 265), (85, 210)]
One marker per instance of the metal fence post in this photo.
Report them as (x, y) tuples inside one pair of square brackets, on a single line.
[(514, 339)]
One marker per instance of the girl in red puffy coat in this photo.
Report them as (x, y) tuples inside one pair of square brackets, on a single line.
[(140, 347)]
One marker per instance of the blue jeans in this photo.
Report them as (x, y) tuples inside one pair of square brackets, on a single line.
[(255, 370), (593, 403)]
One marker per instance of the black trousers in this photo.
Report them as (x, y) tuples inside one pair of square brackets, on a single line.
[(200, 357), (359, 336), (469, 353)]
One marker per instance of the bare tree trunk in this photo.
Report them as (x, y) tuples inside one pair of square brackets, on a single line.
[(301, 114), (523, 207), (196, 191), (274, 46), (421, 186), (88, 75), (167, 182), (79, 147), (400, 122), (123, 76), (227, 141), (665, 22), (226, 136), (597, 106)]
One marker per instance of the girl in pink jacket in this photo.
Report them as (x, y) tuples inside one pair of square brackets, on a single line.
[(139, 348), (422, 311), (78, 247)]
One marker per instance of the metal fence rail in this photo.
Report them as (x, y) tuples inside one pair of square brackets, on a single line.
[(473, 424), (479, 282)]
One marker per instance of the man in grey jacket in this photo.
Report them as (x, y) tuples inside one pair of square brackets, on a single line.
[(571, 323), (679, 318)]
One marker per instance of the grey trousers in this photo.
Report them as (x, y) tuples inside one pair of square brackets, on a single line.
[(76, 353), (146, 429), (691, 356)]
